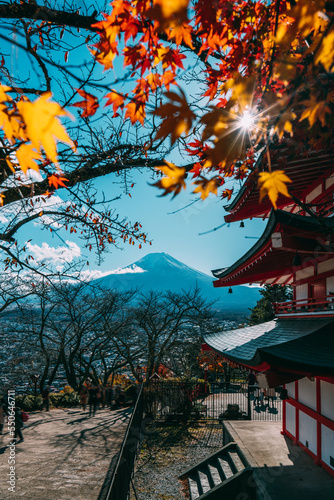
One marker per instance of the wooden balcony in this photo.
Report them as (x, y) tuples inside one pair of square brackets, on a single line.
[(319, 307)]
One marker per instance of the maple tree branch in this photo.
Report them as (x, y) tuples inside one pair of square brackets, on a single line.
[(38, 59), (82, 174), (36, 12)]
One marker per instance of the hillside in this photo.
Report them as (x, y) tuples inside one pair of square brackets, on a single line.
[(160, 271)]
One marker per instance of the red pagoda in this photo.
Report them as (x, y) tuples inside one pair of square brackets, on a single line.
[(296, 348)]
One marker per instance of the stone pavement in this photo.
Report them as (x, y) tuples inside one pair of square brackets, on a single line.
[(283, 471), (65, 454)]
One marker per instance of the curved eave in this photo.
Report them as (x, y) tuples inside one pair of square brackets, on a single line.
[(258, 247), (265, 261), (300, 346), (305, 173)]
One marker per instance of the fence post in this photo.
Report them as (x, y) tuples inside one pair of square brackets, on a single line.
[(249, 410)]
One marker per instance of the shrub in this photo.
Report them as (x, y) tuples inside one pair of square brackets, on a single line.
[(65, 400), (29, 403)]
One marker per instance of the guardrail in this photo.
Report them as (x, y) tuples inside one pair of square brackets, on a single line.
[(172, 402), (121, 479), (309, 305)]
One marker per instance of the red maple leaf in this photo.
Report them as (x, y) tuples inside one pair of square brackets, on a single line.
[(56, 181), (89, 104)]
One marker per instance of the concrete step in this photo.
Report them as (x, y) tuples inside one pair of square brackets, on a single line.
[(216, 475), (225, 466), (213, 476), (236, 460), (203, 475), (194, 486)]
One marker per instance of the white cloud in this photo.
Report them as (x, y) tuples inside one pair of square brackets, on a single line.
[(55, 255)]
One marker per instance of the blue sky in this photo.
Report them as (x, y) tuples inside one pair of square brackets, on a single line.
[(175, 233)]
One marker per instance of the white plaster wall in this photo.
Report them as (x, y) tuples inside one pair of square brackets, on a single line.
[(313, 194), (290, 419), (308, 431), (329, 285), (327, 444), (305, 273), (307, 393), (291, 389), (302, 292), (328, 265), (327, 400), (329, 181)]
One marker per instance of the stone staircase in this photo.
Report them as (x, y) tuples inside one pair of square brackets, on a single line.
[(223, 475)]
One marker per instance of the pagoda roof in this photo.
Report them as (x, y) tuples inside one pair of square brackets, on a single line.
[(305, 173), (273, 254), (298, 346)]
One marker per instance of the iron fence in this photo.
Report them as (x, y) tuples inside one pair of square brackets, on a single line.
[(123, 472), (172, 401)]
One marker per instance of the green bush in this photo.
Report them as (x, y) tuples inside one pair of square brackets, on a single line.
[(29, 403), (65, 400)]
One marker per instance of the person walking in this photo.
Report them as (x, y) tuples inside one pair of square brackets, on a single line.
[(93, 400), (83, 394), (103, 396), (2, 416), (18, 424), (46, 398)]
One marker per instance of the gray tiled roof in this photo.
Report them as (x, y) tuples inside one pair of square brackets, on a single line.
[(300, 343)]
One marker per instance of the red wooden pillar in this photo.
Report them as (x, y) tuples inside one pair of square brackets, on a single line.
[(318, 407), (283, 431), (296, 438)]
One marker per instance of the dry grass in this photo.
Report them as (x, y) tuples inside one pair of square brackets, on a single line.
[(166, 453)]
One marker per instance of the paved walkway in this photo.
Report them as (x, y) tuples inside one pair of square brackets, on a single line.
[(282, 470), (65, 454)]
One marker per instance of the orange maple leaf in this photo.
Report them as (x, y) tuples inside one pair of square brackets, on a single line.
[(182, 34), (227, 193), (115, 100), (136, 112), (177, 117), (206, 186), (174, 180), (89, 105), (56, 181)]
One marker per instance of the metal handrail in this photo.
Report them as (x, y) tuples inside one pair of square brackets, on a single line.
[(120, 483), (304, 304)]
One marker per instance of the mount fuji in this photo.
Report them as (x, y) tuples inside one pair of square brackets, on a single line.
[(161, 272)]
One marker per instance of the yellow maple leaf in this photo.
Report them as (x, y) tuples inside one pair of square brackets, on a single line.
[(4, 97), (273, 183), (284, 123), (302, 18), (206, 186), (174, 180), (285, 69), (315, 111), (325, 54), (43, 127), (26, 156)]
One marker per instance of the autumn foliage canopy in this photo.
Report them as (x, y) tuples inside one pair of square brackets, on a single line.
[(221, 81)]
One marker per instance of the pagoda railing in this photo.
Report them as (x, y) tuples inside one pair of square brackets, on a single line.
[(310, 305)]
